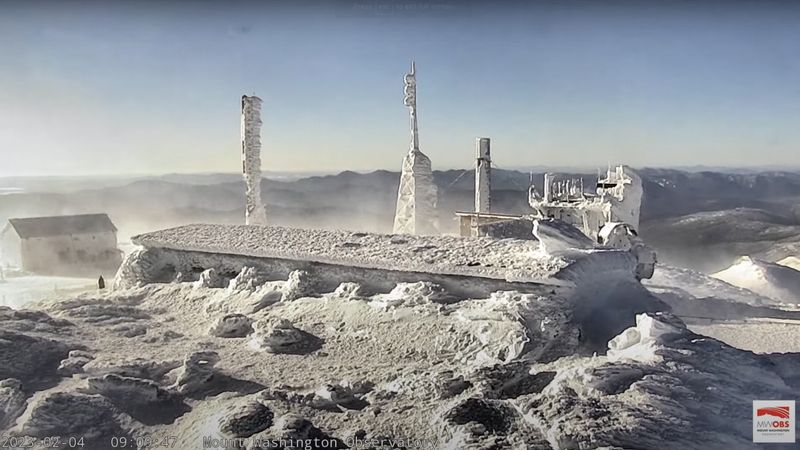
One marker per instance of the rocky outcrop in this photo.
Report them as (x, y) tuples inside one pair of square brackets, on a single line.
[(12, 401), (127, 389), (74, 363), (232, 326), (245, 419), (342, 396), (283, 337), (29, 358), (196, 372), (91, 418), (294, 428), (134, 368)]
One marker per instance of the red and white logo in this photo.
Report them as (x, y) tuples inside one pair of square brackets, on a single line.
[(782, 412), (773, 421)]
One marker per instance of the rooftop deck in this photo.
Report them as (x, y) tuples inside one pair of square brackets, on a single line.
[(507, 259)]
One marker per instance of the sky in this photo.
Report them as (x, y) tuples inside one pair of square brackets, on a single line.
[(113, 87)]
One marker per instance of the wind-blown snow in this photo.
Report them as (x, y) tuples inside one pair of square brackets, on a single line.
[(780, 283)]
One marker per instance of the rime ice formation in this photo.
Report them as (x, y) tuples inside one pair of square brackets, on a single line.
[(557, 237), (483, 174), (416, 196), (377, 260), (622, 236), (618, 199), (255, 213)]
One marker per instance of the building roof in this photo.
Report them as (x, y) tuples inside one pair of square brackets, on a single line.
[(31, 227)]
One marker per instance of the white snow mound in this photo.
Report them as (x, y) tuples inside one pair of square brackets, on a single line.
[(780, 283), (640, 343), (791, 261)]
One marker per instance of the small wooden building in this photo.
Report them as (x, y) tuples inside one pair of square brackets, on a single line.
[(61, 245)]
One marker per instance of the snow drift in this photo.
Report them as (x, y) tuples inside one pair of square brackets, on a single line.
[(775, 281), (790, 261), (510, 370)]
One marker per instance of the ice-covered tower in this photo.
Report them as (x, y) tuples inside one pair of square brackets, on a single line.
[(416, 198), (483, 174), (255, 213)]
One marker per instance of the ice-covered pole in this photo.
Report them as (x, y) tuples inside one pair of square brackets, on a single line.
[(410, 100), (255, 213), (548, 187), (483, 173)]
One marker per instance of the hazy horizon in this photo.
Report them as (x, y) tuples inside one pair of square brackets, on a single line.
[(303, 174), (120, 89)]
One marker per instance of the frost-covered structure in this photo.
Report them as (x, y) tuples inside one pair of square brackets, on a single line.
[(618, 198), (623, 237), (416, 197), (84, 244), (433, 341), (557, 237), (483, 175), (378, 261), (255, 213)]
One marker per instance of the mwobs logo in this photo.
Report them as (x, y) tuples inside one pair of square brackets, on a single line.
[(773, 421), (777, 411)]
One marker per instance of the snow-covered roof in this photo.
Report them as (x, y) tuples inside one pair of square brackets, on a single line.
[(507, 259), (31, 227)]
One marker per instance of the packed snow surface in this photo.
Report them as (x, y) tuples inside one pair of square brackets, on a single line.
[(691, 284), (778, 282), (17, 291), (756, 335), (242, 360), (199, 365), (790, 261), (507, 259)]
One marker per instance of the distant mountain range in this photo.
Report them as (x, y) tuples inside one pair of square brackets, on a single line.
[(755, 210)]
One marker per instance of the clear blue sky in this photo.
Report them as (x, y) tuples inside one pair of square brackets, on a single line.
[(131, 87)]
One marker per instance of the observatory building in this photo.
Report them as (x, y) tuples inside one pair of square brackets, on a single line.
[(617, 198), (61, 245), (255, 213), (417, 195)]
